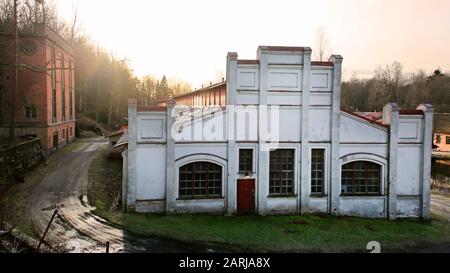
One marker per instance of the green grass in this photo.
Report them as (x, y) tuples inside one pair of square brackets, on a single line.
[(288, 233), (105, 180)]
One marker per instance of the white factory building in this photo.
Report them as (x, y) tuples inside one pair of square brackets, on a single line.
[(276, 141)]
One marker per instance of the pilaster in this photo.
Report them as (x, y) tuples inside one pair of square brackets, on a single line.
[(171, 194), (334, 188), (426, 160), (391, 112), (231, 154), (132, 163), (305, 172), (263, 152)]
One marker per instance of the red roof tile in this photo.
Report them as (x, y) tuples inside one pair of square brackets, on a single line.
[(248, 61), (320, 63), (410, 112), (362, 117)]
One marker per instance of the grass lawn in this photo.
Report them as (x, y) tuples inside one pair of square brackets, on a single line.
[(299, 233)]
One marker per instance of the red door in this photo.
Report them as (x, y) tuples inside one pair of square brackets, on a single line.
[(245, 196)]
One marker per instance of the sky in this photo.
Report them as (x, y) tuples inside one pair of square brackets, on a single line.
[(189, 40)]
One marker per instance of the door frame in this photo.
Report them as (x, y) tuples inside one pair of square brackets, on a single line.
[(253, 175), (254, 195)]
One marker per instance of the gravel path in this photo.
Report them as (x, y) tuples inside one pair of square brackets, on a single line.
[(76, 229)]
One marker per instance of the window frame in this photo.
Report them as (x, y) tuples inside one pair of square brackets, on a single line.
[(325, 171), (30, 111), (252, 162), (381, 179), (201, 158), (63, 87), (53, 77), (293, 193), (70, 90)]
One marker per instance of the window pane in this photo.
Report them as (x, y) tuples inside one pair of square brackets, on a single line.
[(361, 177), (200, 179), (281, 173), (317, 170), (245, 160)]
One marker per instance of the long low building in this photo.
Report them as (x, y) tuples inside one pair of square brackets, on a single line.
[(280, 144)]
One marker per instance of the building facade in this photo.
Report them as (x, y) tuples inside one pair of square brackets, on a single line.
[(442, 141), (281, 145), (45, 99)]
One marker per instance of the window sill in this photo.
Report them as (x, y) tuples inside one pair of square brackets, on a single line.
[(245, 173), (361, 195), (199, 198), (282, 196), (318, 195)]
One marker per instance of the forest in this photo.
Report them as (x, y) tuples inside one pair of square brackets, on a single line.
[(104, 82)]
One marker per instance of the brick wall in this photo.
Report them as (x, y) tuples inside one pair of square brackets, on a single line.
[(34, 97)]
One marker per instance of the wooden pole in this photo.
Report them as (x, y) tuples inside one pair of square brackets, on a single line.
[(46, 230)]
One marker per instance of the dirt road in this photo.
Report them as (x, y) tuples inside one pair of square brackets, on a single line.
[(440, 205), (75, 228)]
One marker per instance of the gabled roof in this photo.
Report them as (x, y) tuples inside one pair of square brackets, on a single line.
[(376, 123), (196, 91)]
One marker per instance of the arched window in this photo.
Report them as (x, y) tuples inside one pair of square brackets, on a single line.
[(200, 180), (361, 178)]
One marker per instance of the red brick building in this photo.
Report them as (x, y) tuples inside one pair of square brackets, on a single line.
[(45, 99)]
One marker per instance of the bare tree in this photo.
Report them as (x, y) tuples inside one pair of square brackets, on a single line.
[(73, 27), (322, 43)]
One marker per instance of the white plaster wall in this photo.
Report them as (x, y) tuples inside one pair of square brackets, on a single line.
[(365, 206), (151, 172), (188, 149), (410, 129), (247, 97), (248, 77), (201, 205), (290, 125), (380, 150), (318, 205), (408, 207), (284, 98), (321, 99), (284, 78), (156, 206), (357, 130), (284, 58), (279, 205), (319, 124), (321, 80), (409, 166), (209, 127), (151, 127)]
